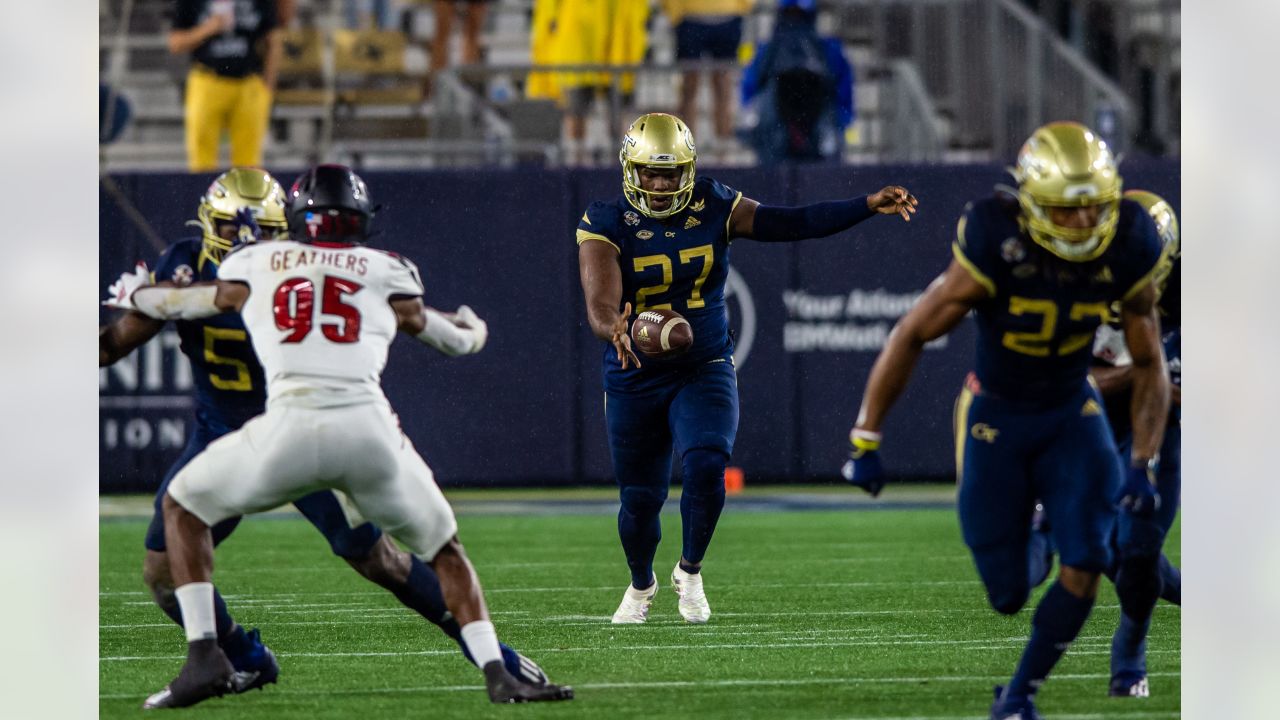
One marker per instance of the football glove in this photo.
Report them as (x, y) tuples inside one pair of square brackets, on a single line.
[(247, 229), (120, 292), (1138, 495), (863, 468), (468, 319)]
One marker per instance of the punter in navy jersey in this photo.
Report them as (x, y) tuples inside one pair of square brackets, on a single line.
[(1040, 267), (247, 205), (665, 243)]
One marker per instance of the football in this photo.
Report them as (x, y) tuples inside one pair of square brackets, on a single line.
[(661, 333)]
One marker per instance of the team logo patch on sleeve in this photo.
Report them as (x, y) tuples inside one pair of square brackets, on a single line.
[(183, 275), (1012, 250), (631, 218)]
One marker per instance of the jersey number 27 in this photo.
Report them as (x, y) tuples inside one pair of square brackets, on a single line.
[(294, 307)]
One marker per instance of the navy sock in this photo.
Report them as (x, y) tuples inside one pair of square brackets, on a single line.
[(421, 593), (1129, 646), (231, 637), (1056, 623), (1171, 581), (640, 529), (701, 502)]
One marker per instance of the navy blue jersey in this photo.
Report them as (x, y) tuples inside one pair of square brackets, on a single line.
[(1035, 331), (230, 387), (678, 263)]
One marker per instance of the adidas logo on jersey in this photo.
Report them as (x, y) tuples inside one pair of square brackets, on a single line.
[(691, 222), (1091, 407)]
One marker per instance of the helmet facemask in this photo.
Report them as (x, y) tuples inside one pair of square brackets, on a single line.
[(642, 199)]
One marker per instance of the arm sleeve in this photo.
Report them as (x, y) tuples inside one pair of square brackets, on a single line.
[(1148, 256), (969, 248), (788, 224), (593, 226)]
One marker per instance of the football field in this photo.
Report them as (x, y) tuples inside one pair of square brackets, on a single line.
[(845, 609)]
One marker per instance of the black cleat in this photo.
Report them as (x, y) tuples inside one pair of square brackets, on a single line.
[(207, 673), (505, 688)]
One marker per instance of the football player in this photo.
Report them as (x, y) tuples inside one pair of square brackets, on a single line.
[(664, 243), (245, 205), (1039, 266)]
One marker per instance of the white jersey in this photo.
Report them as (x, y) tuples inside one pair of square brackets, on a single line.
[(319, 316)]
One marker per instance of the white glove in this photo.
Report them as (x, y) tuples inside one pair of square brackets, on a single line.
[(120, 293), (467, 319)]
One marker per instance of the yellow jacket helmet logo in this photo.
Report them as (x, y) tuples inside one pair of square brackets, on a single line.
[(229, 193), (1065, 164), (657, 140)]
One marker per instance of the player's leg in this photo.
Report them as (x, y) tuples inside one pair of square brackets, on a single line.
[(389, 483), (704, 424), (255, 666), (1140, 568), (377, 558), (249, 118), (1076, 476), (1169, 484), (640, 445)]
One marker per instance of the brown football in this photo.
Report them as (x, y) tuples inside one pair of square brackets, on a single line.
[(661, 333)]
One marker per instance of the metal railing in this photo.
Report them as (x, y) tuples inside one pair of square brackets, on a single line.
[(910, 129)]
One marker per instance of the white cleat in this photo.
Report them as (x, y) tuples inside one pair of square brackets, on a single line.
[(693, 601), (635, 605)]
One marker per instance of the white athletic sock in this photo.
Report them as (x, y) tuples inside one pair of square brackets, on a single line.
[(196, 602), (482, 642)]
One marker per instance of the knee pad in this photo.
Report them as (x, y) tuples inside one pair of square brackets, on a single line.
[(643, 501), (704, 470)]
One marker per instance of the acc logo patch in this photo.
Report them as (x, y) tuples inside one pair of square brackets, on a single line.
[(183, 275), (1012, 250), (631, 218), (691, 222), (644, 234)]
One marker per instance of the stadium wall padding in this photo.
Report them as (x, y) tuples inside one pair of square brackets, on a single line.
[(810, 318)]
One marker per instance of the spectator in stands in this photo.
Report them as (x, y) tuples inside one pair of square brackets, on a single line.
[(235, 46), (586, 32), (365, 14), (707, 29), (802, 87), (472, 23)]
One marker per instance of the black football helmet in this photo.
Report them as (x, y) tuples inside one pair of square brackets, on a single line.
[(329, 203)]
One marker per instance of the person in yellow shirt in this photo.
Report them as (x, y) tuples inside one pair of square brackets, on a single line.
[(710, 29), (235, 46)]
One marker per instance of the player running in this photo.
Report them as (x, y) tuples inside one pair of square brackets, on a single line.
[(1040, 268), (664, 243), (227, 400)]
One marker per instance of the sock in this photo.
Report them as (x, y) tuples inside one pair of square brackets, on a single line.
[(196, 601), (482, 642), (1171, 581), (701, 502), (685, 566), (640, 530), (1056, 623), (1129, 646), (421, 593), (231, 637)]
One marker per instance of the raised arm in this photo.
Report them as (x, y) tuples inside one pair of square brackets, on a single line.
[(192, 302), (454, 334), (602, 290), (770, 223), (944, 304)]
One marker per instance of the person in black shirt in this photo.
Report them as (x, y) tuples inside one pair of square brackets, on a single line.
[(235, 46)]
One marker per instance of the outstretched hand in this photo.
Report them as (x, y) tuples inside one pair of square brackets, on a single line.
[(622, 339), (893, 200), (120, 293)]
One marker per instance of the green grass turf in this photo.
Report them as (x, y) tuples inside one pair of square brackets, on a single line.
[(855, 614)]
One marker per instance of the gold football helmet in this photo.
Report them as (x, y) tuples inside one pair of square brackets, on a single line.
[(657, 140), (232, 191), (1066, 165), (1167, 226)]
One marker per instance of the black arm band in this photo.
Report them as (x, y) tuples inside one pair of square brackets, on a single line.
[(788, 224)]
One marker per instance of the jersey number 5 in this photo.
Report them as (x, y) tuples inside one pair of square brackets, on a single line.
[(294, 303)]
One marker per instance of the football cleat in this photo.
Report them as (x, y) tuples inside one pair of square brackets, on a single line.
[(1000, 710), (1129, 685), (206, 674), (693, 601), (635, 604), (504, 688), (524, 669), (256, 668)]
